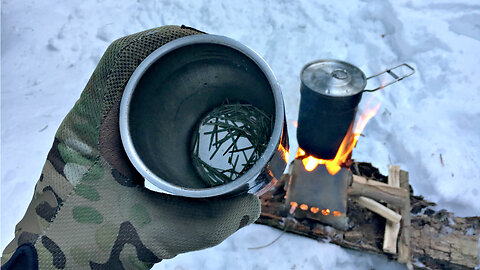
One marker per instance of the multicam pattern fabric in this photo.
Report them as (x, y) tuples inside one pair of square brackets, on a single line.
[(90, 209)]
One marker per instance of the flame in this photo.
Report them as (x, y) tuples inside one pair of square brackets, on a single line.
[(285, 153), (310, 163), (336, 213), (300, 153), (314, 209), (325, 212), (304, 207), (345, 149)]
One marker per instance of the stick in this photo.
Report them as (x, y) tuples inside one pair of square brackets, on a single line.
[(396, 197), (366, 181), (392, 229), (379, 208), (404, 247)]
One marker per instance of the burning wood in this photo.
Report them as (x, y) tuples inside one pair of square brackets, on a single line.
[(442, 240), (321, 190), (319, 186)]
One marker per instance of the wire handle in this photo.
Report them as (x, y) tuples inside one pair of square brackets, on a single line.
[(391, 72)]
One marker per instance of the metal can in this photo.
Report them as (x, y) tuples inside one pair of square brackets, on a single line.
[(330, 93)]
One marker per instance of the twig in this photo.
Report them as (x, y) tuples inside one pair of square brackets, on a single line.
[(275, 240)]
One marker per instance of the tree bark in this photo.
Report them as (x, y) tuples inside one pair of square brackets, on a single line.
[(439, 239)]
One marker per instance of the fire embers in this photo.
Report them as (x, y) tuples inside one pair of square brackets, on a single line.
[(318, 195)]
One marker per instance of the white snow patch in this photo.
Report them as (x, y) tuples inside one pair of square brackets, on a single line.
[(50, 49)]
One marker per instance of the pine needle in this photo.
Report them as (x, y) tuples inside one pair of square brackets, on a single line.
[(231, 122)]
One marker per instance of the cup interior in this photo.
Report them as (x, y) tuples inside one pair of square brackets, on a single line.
[(177, 91)]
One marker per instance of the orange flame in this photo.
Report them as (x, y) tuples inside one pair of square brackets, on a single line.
[(300, 153), (285, 153), (345, 149)]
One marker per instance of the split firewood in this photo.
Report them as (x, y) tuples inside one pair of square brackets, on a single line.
[(396, 197), (366, 181), (379, 208), (404, 251), (391, 228)]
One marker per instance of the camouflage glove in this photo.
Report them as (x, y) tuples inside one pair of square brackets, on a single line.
[(90, 209)]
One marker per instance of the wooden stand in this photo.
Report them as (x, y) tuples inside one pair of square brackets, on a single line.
[(440, 240)]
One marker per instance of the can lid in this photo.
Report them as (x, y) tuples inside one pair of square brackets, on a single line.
[(333, 78)]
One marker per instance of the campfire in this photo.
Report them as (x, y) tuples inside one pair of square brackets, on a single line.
[(343, 156), (318, 187), (321, 182), (325, 195)]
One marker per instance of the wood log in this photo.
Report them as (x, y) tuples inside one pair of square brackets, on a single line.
[(441, 239)]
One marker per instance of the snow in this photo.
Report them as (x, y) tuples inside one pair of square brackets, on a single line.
[(428, 123)]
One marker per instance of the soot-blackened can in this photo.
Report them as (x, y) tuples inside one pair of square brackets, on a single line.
[(330, 93)]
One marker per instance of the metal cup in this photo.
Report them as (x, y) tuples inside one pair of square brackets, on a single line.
[(173, 88)]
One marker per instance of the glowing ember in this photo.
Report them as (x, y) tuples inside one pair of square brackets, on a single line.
[(313, 209), (293, 207), (345, 149)]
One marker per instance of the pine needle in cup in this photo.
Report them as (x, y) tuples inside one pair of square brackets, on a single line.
[(228, 142)]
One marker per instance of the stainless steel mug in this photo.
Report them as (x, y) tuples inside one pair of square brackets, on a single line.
[(173, 88)]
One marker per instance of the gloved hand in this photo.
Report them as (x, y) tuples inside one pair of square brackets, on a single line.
[(90, 209)]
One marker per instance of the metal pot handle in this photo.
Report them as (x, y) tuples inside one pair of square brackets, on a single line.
[(395, 77)]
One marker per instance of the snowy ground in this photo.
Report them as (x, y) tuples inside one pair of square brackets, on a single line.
[(427, 124)]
